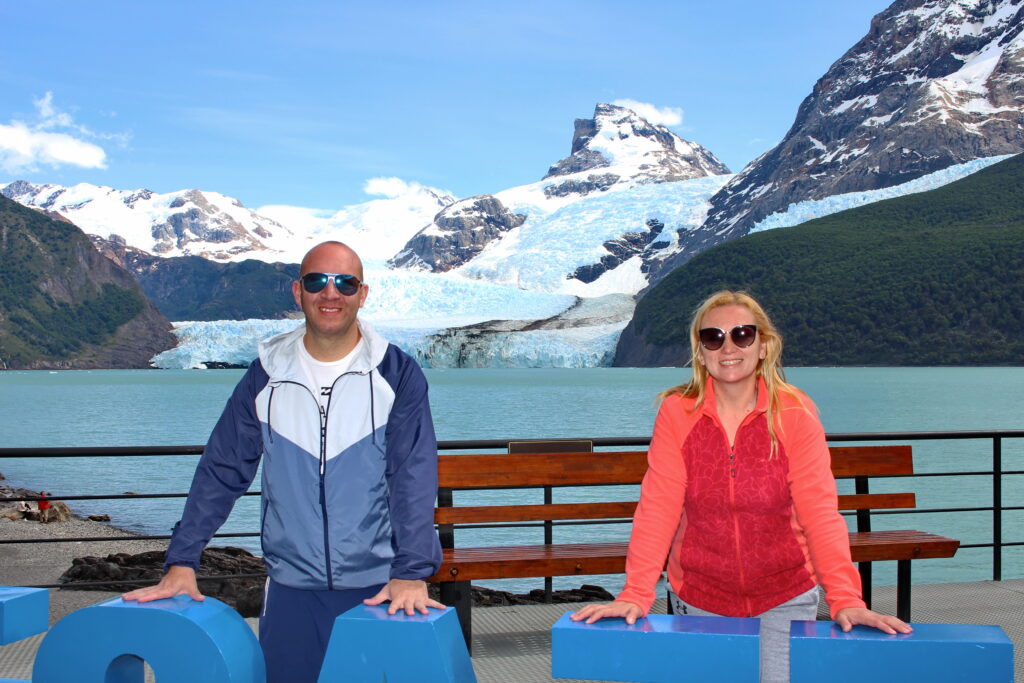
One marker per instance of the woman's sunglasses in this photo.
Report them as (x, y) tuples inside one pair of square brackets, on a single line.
[(712, 338), (345, 284)]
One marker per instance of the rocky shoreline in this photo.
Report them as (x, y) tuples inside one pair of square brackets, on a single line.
[(72, 563)]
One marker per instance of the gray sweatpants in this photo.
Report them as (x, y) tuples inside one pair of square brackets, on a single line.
[(774, 630)]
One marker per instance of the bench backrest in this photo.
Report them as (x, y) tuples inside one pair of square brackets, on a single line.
[(607, 468)]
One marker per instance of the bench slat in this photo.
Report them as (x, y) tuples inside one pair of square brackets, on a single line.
[(524, 561), (877, 501), (534, 513), (871, 546), (472, 470), (520, 561), (484, 514), (871, 461), (482, 470)]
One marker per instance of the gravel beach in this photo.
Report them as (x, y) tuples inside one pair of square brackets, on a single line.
[(34, 564)]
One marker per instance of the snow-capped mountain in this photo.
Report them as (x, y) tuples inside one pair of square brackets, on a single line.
[(603, 187), (626, 148), (186, 223), (934, 83), (218, 227)]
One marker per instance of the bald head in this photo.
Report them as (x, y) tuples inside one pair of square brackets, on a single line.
[(346, 259)]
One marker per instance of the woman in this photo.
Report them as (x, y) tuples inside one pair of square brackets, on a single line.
[(739, 494)]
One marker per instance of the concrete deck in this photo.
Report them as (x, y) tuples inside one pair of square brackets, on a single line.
[(514, 643)]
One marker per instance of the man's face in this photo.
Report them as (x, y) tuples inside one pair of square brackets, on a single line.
[(330, 315)]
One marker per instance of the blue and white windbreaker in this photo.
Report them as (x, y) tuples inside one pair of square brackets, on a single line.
[(348, 492)]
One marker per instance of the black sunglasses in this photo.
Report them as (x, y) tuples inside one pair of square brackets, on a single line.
[(345, 284), (712, 338)]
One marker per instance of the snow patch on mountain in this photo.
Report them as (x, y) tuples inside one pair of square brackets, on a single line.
[(808, 210), (376, 229)]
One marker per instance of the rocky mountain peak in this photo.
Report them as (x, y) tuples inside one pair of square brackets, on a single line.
[(933, 83), (459, 232), (632, 149)]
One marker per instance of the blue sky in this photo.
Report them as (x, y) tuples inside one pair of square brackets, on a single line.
[(302, 103)]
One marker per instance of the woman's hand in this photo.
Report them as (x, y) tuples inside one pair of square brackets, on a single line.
[(849, 617), (618, 608)]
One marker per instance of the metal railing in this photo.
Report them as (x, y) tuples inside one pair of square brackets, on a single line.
[(997, 474)]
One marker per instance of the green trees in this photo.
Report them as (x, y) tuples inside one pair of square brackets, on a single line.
[(51, 305), (935, 278)]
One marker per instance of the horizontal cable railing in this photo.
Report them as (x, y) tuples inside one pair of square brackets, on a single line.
[(996, 473)]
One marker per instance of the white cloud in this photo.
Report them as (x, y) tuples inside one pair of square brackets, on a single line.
[(390, 187), (53, 140), (665, 116), (24, 149)]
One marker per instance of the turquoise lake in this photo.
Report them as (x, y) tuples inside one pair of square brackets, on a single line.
[(179, 407)]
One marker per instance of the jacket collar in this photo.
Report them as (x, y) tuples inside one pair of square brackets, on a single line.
[(280, 354)]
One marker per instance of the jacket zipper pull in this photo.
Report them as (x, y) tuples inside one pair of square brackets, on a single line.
[(732, 464)]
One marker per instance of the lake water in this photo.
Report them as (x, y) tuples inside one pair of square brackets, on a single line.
[(171, 407)]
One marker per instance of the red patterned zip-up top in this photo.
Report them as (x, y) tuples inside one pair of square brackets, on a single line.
[(747, 532)]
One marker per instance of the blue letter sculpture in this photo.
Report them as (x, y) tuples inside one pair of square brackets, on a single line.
[(181, 639), (368, 644), (657, 649), (819, 650), (24, 612)]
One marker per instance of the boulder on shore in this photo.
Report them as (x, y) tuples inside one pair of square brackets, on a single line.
[(246, 595)]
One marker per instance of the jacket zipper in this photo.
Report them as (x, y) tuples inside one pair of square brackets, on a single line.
[(736, 529), (733, 511), (323, 492), (323, 470)]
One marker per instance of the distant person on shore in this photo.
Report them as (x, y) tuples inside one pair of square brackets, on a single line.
[(739, 494), (341, 420)]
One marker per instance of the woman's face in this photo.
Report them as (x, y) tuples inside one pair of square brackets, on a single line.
[(731, 364)]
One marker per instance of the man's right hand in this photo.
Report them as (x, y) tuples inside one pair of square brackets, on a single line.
[(177, 581)]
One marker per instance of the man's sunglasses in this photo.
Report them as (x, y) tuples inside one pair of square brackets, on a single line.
[(712, 338), (345, 284)]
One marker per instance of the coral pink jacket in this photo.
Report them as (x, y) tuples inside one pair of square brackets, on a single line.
[(747, 532)]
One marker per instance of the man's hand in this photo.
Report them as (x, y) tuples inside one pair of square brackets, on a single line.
[(849, 617), (410, 595), (618, 608), (176, 581)]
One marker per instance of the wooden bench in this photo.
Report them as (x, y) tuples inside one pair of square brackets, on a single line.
[(580, 467)]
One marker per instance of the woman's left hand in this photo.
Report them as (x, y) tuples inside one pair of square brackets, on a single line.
[(848, 617)]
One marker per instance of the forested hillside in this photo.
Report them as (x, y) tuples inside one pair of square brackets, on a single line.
[(62, 304), (935, 278)]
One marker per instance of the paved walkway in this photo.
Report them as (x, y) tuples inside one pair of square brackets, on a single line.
[(514, 643)]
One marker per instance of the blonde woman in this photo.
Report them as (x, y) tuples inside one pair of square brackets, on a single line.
[(739, 494)]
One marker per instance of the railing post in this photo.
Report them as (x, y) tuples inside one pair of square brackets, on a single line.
[(548, 540), (445, 532), (864, 524), (997, 508)]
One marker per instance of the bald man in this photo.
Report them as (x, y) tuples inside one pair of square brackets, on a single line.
[(341, 420)]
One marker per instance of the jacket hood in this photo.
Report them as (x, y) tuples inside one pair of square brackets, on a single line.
[(280, 358)]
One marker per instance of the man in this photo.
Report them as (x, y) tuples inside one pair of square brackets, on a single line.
[(341, 420)]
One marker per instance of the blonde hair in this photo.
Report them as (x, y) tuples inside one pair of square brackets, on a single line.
[(769, 368)]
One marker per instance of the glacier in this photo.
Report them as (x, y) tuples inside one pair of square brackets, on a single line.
[(801, 212)]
